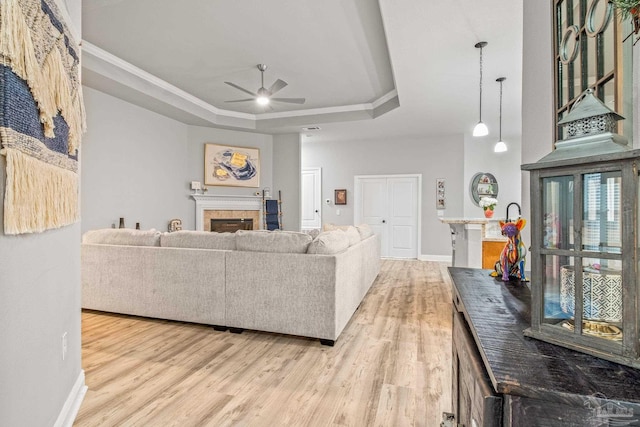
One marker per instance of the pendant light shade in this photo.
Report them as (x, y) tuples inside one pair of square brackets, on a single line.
[(500, 146), (480, 129)]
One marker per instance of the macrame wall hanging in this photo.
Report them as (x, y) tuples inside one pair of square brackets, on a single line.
[(41, 116)]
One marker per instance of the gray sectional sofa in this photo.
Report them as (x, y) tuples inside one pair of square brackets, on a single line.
[(282, 282)]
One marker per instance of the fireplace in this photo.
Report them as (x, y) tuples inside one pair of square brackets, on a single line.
[(231, 225), (210, 207)]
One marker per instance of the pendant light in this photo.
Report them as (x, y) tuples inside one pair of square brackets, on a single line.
[(500, 145), (481, 128)]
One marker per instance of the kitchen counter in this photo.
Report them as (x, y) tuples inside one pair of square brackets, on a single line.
[(467, 237)]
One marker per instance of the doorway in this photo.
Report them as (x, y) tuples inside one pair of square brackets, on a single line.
[(390, 204), (311, 198)]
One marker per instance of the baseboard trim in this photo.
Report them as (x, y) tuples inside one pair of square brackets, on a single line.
[(436, 258), (72, 405)]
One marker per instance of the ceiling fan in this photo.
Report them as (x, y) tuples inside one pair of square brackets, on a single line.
[(263, 95)]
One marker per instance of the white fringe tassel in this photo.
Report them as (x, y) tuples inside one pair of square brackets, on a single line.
[(49, 83), (38, 196)]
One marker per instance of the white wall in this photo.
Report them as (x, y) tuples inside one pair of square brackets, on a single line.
[(134, 165), (537, 94), (435, 157), (138, 164), (39, 301), (636, 96), (480, 157), (286, 178), (198, 136)]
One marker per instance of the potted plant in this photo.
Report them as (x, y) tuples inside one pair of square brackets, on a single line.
[(629, 9), (488, 204)]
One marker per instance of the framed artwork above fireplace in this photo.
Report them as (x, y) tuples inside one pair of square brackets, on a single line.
[(231, 166)]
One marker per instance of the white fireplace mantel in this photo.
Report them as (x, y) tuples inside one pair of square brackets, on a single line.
[(206, 202)]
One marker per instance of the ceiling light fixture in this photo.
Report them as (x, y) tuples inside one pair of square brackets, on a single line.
[(500, 147), (481, 128), (263, 94)]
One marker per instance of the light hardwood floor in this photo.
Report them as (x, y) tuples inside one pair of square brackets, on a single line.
[(390, 367)]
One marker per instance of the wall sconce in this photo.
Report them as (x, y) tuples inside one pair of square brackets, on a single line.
[(481, 128)]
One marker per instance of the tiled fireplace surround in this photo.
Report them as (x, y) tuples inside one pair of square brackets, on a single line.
[(220, 206)]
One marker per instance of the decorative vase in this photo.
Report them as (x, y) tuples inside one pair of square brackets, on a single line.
[(121, 225), (488, 213)]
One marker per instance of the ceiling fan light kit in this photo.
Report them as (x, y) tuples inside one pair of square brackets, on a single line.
[(263, 96), (480, 129)]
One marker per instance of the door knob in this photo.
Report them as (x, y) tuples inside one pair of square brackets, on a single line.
[(317, 211), (384, 221)]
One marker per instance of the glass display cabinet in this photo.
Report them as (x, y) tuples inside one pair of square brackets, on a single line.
[(584, 222)]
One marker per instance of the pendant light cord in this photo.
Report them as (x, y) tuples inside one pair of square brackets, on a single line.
[(500, 132), (480, 128), (480, 83), (500, 145)]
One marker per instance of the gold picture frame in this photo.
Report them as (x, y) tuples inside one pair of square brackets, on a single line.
[(340, 197), (230, 166)]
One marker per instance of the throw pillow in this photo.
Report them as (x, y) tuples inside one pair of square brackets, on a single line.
[(331, 227), (365, 231), (313, 232), (329, 242), (353, 235)]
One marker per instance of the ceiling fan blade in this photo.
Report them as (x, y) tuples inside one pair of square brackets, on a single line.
[(276, 86), (241, 88), (241, 100), (290, 100)]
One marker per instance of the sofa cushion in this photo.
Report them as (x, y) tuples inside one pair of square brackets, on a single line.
[(352, 234), (272, 241), (122, 236), (329, 242), (365, 231), (199, 240)]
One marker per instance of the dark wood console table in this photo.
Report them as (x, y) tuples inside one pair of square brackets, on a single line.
[(502, 378)]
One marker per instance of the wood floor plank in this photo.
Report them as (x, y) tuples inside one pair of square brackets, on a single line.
[(390, 367)]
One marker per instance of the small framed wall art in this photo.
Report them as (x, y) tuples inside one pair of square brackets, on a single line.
[(231, 166), (340, 197), (440, 197)]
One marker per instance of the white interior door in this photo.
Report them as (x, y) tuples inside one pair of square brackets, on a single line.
[(402, 217), (390, 205), (370, 208), (311, 198)]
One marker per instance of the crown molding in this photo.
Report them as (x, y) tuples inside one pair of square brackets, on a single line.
[(108, 73)]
